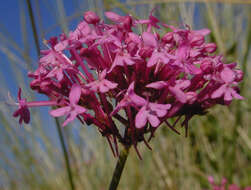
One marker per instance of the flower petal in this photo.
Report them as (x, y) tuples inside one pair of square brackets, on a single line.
[(157, 85), (149, 39), (70, 118), (79, 109), (227, 75), (60, 111), (141, 118), (219, 92), (179, 94), (113, 16), (154, 120), (75, 93)]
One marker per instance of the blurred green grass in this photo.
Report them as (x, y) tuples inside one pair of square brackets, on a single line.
[(219, 143)]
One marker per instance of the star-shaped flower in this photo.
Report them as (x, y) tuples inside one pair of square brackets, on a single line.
[(101, 85), (151, 112), (73, 109), (23, 110)]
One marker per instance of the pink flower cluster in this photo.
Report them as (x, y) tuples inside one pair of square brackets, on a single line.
[(223, 185), (101, 72)]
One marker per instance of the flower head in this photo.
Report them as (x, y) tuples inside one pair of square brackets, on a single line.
[(99, 72)]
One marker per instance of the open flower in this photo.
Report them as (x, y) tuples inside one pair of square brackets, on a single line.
[(226, 89), (101, 85), (151, 112), (130, 99), (73, 109), (22, 110)]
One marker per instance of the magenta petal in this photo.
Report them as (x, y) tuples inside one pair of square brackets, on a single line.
[(160, 106), (138, 100), (60, 74), (75, 93), (153, 120), (79, 109), (131, 87), (113, 16), (228, 95), (227, 75), (110, 84), (149, 39), (61, 45), (60, 111), (156, 58), (141, 118), (157, 85), (103, 89), (219, 92), (236, 95), (70, 118), (161, 113), (179, 94), (203, 32), (193, 69), (183, 84)]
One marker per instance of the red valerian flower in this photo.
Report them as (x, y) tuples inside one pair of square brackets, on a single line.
[(73, 109), (23, 110), (100, 72), (151, 112)]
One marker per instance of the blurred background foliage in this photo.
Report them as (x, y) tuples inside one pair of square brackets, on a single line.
[(31, 157)]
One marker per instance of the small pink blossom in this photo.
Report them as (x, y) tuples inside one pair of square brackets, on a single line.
[(23, 110), (73, 109), (151, 112), (101, 85)]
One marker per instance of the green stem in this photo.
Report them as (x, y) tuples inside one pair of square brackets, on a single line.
[(33, 25), (67, 162), (119, 168)]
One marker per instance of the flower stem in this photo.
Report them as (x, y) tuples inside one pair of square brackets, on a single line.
[(119, 168), (33, 24), (66, 157)]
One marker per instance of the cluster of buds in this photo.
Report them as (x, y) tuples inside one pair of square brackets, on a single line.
[(100, 73), (223, 185)]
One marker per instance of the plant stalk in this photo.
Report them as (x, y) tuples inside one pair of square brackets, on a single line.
[(67, 161), (33, 24), (119, 168)]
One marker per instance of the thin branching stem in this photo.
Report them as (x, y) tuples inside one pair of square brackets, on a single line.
[(33, 25), (119, 168), (67, 161)]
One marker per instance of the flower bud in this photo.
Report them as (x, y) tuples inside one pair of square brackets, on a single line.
[(238, 75), (168, 37), (206, 66), (210, 47), (197, 40), (91, 17)]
